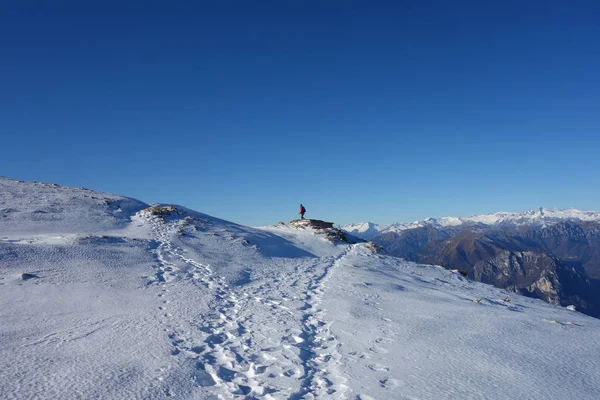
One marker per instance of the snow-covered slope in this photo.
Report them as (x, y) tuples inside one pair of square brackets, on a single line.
[(30, 207), (539, 217), (164, 302), (363, 230)]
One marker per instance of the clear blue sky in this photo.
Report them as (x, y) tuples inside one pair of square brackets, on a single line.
[(361, 110)]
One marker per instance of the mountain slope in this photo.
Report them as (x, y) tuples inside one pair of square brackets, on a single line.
[(50, 208), (555, 262), (164, 302)]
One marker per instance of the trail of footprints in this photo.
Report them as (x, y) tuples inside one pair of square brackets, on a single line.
[(320, 352), (238, 350)]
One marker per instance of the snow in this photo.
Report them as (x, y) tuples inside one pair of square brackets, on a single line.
[(183, 305), (538, 217), (363, 230), (429, 333), (51, 208)]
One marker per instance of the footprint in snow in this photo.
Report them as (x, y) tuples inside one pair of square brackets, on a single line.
[(389, 383), (378, 368), (364, 397), (356, 355), (202, 377), (378, 350), (563, 323), (296, 339)]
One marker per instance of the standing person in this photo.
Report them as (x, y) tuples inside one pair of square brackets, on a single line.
[(302, 211)]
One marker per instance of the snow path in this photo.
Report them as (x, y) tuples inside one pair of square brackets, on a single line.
[(237, 348)]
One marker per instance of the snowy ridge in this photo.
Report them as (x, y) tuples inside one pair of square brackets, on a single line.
[(364, 230), (164, 302), (52, 208), (539, 217)]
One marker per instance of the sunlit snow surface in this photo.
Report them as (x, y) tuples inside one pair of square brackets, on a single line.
[(365, 230), (123, 304)]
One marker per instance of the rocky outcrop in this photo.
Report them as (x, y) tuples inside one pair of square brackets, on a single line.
[(161, 211), (326, 228), (312, 223), (526, 272), (575, 244)]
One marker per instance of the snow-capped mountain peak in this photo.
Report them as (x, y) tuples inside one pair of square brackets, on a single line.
[(536, 217), (363, 230)]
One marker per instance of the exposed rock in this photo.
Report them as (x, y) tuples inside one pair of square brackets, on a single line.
[(162, 210), (326, 228), (313, 223), (559, 263), (547, 287)]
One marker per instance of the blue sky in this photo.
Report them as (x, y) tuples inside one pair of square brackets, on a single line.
[(379, 111)]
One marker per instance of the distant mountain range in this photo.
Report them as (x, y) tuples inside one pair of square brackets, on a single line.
[(551, 254), (538, 217)]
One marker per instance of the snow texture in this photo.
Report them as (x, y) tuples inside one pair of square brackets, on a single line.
[(108, 297)]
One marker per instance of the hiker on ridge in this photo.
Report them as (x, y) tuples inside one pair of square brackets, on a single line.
[(302, 211)]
